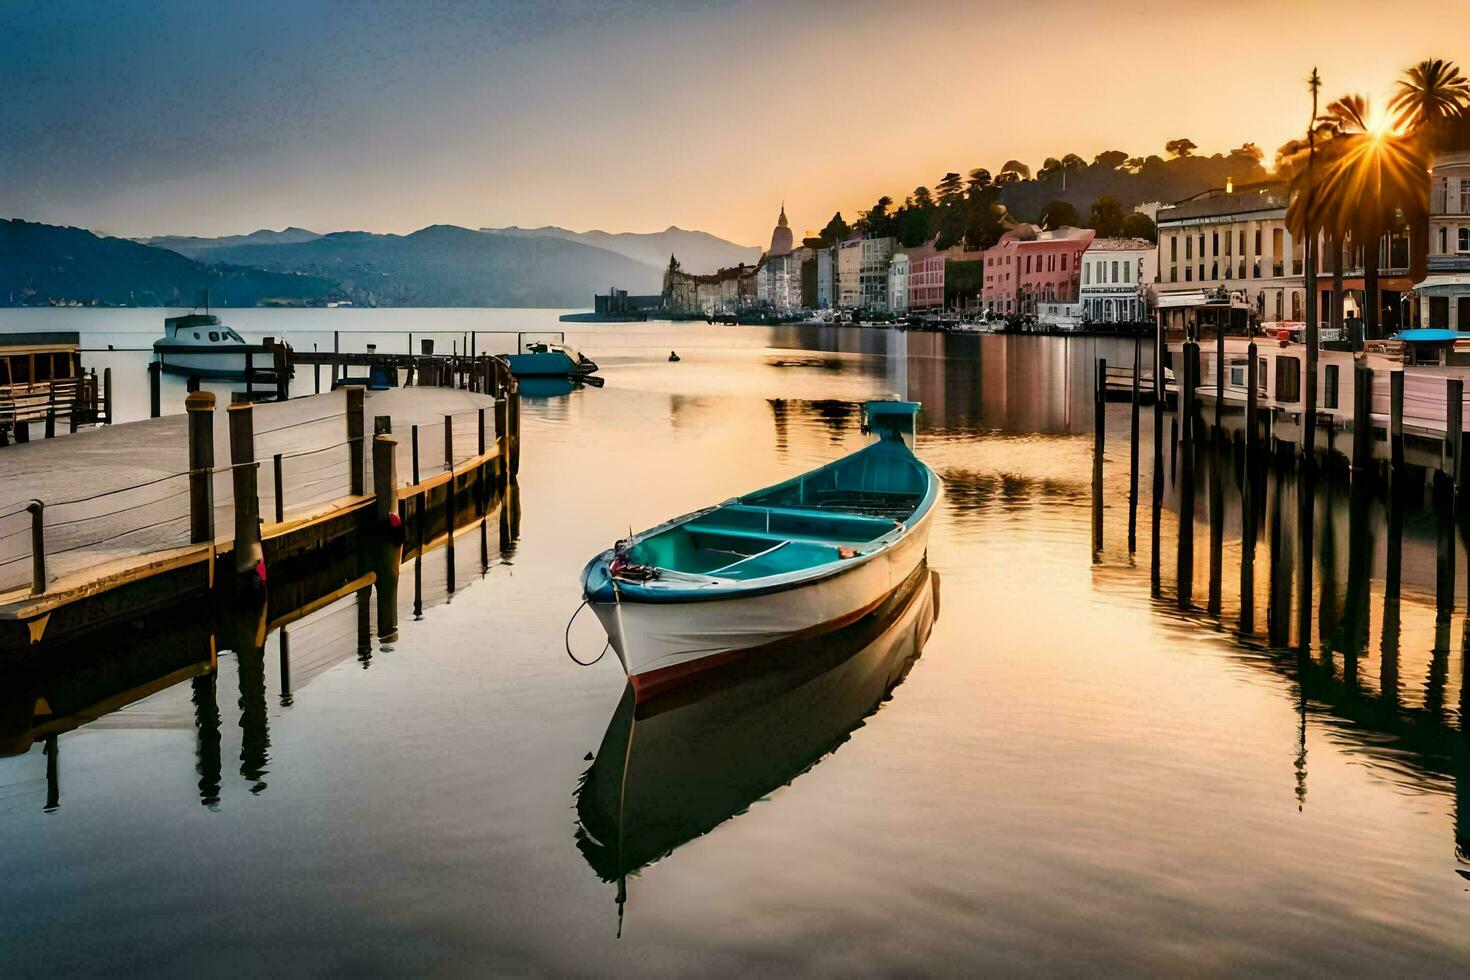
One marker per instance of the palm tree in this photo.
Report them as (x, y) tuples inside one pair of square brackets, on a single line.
[(1430, 93)]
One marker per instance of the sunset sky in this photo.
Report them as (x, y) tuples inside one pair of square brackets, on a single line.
[(197, 118)]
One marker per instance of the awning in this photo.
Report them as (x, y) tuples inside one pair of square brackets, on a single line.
[(1194, 297), (1446, 279)]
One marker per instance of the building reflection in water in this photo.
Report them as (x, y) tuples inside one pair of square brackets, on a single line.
[(675, 767)]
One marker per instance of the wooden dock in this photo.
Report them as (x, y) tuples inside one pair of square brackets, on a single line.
[(113, 522)]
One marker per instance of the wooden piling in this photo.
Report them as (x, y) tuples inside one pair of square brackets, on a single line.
[(385, 475), (1395, 426), (107, 394), (1362, 422), (1453, 435), (1099, 423), (155, 390), (250, 375), (356, 425), (276, 476), (200, 408), (513, 393), (37, 511), (1133, 448), (449, 499), (243, 475), (1219, 383), (1249, 466), (1184, 568), (51, 410)]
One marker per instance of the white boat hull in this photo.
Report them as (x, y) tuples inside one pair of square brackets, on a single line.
[(204, 364), (661, 642)]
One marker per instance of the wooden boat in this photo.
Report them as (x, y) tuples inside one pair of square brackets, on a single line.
[(547, 360), (795, 560), (198, 345), (673, 767)]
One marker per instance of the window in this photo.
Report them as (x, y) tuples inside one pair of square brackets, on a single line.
[(1444, 241), (1115, 273), (1174, 274), (1173, 248), (1087, 275), (1188, 249), (1188, 273), (1288, 379), (1064, 262), (1127, 272), (1464, 240), (1242, 242), (1258, 241), (214, 336), (1464, 195), (1331, 394), (1215, 243)]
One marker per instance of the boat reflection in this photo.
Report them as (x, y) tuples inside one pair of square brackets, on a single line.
[(676, 766)]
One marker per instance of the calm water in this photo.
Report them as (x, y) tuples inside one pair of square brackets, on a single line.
[(1072, 775)]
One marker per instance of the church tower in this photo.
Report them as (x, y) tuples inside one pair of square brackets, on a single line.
[(781, 237)]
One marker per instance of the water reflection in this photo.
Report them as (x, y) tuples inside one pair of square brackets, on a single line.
[(673, 768), (61, 687)]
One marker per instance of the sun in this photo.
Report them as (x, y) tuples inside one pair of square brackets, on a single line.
[(1380, 123)]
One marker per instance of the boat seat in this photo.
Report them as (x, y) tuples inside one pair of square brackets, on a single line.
[(774, 537), (797, 523)]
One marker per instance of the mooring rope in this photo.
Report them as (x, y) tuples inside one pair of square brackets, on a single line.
[(568, 639)]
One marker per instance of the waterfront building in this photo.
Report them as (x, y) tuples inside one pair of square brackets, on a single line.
[(1028, 267), (826, 279), (898, 283), (1116, 276), (873, 273), (1444, 296), (1237, 240), (926, 277), (849, 264), (778, 282)]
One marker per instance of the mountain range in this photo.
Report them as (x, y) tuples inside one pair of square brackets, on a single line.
[(698, 251), (442, 265)]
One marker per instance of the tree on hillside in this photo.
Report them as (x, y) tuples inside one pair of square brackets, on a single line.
[(1112, 159), (922, 198), (1180, 147), (1073, 162), (1107, 217), (1018, 168), (1059, 214), (949, 188), (1139, 225), (979, 179), (877, 221), (1050, 167), (837, 230)]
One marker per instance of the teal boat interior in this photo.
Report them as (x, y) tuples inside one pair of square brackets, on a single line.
[(836, 512)]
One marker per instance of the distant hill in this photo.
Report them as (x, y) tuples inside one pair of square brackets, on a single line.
[(445, 265), (698, 251), (196, 247), (48, 263)]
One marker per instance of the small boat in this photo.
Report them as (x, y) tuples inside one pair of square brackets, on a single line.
[(199, 346), (672, 768), (547, 360), (795, 560)]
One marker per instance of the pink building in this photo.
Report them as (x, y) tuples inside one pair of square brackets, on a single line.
[(1027, 267), (926, 277)]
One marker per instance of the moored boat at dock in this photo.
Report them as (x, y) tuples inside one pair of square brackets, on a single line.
[(544, 359), (200, 346), (798, 559)]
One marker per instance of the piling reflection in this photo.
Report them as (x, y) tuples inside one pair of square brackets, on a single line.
[(1373, 560), (325, 618), (675, 767)]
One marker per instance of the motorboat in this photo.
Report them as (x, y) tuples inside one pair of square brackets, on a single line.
[(200, 346), (544, 359), (798, 559)]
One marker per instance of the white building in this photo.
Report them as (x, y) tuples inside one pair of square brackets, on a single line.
[(1236, 240), (873, 273), (1116, 275), (778, 284), (1444, 295), (898, 283), (849, 264)]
